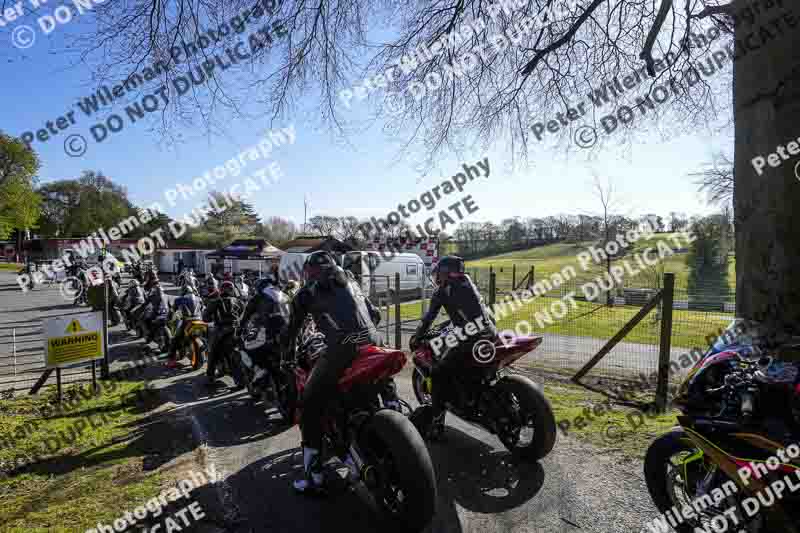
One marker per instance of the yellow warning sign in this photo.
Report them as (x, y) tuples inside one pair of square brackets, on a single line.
[(73, 340), (74, 327)]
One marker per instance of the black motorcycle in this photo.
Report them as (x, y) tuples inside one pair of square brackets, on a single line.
[(156, 330)]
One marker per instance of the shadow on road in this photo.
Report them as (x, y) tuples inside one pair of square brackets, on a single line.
[(478, 478), (469, 473)]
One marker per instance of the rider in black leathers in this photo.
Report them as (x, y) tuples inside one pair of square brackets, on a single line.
[(270, 310), (346, 318), (462, 301), (225, 312), (155, 305)]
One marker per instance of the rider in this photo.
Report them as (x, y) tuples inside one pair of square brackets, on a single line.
[(345, 317), (212, 286), (224, 311), (134, 296), (191, 308), (272, 309), (462, 301), (150, 280), (156, 304)]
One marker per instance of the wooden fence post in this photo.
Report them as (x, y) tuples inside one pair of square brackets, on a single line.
[(492, 289), (514, 276), (668, 292)]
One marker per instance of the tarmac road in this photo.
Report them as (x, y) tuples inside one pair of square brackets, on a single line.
[(481, 488)]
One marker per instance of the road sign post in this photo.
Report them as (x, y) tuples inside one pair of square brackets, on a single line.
[(72, 340), (104, 371)]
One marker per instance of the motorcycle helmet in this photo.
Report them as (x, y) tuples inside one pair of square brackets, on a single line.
[(133, 284), (228, 289), (264, 283), (449, 266), (212, 282), (318, 266)]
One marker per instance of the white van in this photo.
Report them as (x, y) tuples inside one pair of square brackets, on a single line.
[(376, 270), (291, 266)]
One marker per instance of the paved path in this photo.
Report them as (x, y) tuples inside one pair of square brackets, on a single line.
[(481, 489)]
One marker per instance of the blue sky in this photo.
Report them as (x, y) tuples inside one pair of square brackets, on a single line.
[(361, 179)]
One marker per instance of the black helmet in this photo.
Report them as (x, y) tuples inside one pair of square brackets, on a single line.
[(449, 266), (227, 289), (318, 266)]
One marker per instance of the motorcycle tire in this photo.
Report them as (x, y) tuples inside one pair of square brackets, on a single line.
[(657, 460), (397, 456), (163, 339), (197, 355), (534, 403), (236, 370), (421, 387), (287, 398)]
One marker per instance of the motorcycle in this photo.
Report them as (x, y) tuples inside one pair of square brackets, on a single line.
[(265, 378), (156, 330), (29, 270), (381, 446), (736, 411), (195, 344), (507, 405)]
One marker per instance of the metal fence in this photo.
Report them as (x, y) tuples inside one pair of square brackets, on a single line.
[(577, 317)]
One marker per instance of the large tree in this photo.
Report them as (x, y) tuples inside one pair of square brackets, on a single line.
[(76, 208), (19, 203), (508, 67)]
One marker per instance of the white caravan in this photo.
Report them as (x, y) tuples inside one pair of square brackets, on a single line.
[(375, 270), (291, 266)]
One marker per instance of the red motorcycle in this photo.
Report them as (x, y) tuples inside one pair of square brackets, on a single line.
[(389, 455), (489, 396)]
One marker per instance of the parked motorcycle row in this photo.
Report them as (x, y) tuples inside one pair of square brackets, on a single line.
[(374, 433), (740, 404)]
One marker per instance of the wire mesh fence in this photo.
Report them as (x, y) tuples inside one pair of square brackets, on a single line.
[(577, 312)]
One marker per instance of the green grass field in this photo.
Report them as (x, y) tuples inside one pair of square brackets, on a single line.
[(10, 266), (552, 258), (95, 475), (585, 319)]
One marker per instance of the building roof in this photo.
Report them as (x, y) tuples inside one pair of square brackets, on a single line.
[(247, 249), (311, 243)]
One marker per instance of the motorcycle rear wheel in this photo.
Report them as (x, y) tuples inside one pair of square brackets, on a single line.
[(536, 411), (399, 472), (163, 339)]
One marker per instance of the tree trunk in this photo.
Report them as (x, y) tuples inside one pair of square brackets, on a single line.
[(766, 96)]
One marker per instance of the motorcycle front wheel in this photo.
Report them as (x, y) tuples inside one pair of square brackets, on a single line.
[(398, 471), (676, 470), (422, 387)]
